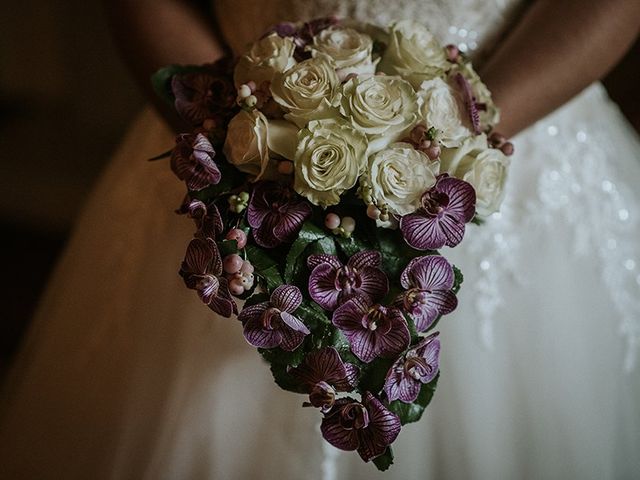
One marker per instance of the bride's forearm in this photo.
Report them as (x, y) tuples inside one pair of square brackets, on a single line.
[(558, 48), (155, 33)]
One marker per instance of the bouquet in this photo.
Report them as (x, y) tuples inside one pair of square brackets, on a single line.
[(326, 168)]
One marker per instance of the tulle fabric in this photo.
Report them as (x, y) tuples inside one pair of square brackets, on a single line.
[(125, 374)]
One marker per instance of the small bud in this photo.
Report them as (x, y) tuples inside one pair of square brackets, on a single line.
[(452, 53), (247, 281), (433, 152), (237, 235), (373, 212), (497, 140), (244, 197), (236, 287), (332, 221), (251, 101), (384, 217), (232, 263), (285, 167), (348, 224), (244, 91), (507, 149), (246, 268), (209, 124)]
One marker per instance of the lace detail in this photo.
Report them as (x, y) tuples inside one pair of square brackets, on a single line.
[(589, 193), (474, 25)]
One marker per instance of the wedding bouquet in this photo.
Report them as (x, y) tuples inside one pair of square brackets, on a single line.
[(327, 166)]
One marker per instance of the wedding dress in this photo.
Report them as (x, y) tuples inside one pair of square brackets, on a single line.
[(125, 374)]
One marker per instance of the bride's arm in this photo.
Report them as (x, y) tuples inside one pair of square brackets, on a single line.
[(558, 48), (155, 33)]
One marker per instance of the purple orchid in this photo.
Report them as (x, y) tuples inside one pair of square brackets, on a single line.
[(202, 272), (323, 373), (409, 372), (207, 218), (192, 161), (271, 324), (469, 100), (331, 283), (206, 94), (446, 207), (367, 426), (276, 214), (372, 330), (428, 281), (303, 35)]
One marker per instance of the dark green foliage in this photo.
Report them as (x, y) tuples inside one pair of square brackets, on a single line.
[(384, 461), (411, 412)]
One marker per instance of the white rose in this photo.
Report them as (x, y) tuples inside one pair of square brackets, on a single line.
[(310, 90), (441, 109), (330, 157), (349, 49), (251, 137), (267, 56), (398, 176), (384, 108), (489, 113), (414, 53), (483, 167)]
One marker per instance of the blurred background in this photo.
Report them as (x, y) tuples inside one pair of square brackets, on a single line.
[(65, 101)]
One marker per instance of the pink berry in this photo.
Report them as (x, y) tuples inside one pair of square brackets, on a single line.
[(232, 263), (452, 53), (331, 221), (236, 287), (373, 212), (237, 235), (507, 148), (252, 86), (349, 224), (247, 267), (285, 167), (433, 152)]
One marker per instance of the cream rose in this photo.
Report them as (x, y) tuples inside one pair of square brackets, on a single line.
[(490, 114), (251, 138), (441, 109), (413, 52), (267, 56), (330, 157), (310, 90), (398, 176), (483, 167), (384, 108), (349, 49)]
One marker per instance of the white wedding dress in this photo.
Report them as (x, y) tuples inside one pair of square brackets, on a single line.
[(126, 375)]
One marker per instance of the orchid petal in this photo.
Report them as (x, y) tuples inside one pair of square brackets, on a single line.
[(287, 298)]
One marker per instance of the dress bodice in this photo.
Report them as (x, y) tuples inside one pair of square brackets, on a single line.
[(473, 25)]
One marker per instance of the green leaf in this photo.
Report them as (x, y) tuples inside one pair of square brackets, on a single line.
[(411, 412), (351, 246), (458, 278), (311, 314), (272, 277), (279, 361), (309, 233), (384, 461), (256, 298), (227, 247), (259, 258), (374, 374), (396, 254)]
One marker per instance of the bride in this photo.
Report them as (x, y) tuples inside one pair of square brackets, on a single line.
[(126, 375)]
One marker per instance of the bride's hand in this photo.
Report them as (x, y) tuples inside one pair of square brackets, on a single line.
[(556, 50), (154, 33)]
